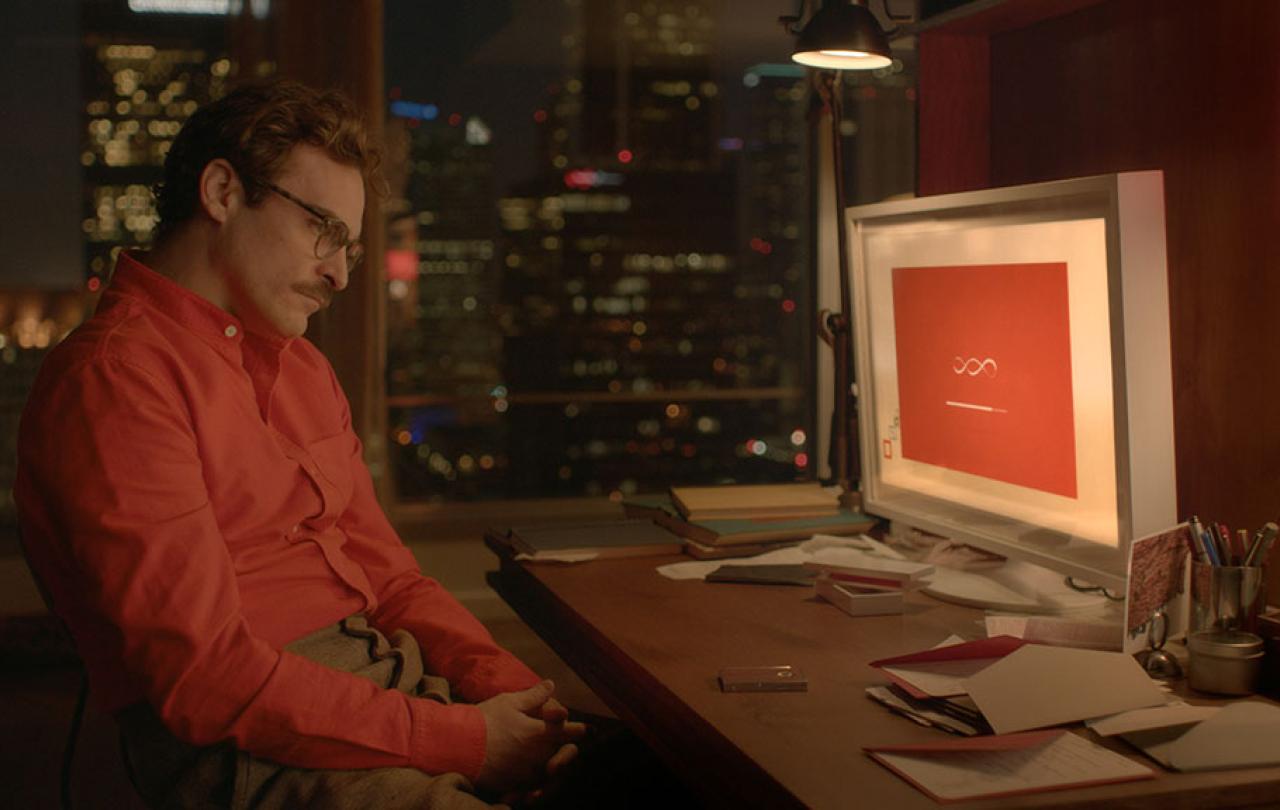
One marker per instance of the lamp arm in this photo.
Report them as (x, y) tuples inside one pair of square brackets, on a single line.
[(838, 324), (897, 18), (791, 22)]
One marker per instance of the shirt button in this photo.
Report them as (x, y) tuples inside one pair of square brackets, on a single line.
[(230, 331)]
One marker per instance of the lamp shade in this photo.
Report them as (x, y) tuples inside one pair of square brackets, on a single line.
[(843, 36)]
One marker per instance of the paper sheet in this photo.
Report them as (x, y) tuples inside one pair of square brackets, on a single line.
[(1241, 735), (977, 767), (919, 714), (1089, 633), (942, 678), (559, 557), (821, 548), (1155, 717), (1037, 686), (942, 670)]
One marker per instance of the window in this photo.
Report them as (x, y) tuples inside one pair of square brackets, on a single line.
[(600, 272)]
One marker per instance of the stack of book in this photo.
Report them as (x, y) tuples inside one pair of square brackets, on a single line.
[(743, 520), (602, 540), (873, 589)]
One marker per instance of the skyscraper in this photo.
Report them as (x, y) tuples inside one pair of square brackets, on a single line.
[(143, 75), (444, 344)]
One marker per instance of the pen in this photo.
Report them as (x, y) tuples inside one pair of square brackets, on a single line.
[(1253, 546), (1224, 538), (1229, 551), (1220, 546), (1197, 540), (1210, 547), (1262, 548)]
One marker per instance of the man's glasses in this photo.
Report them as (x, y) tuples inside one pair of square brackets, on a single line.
[(333, 235)]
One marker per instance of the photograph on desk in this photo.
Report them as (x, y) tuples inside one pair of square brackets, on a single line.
[(1158, 581)]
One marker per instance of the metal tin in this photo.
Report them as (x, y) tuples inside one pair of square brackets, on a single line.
[(1226, 662)]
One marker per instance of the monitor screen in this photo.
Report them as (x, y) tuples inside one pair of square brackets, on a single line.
[(1008, 396)]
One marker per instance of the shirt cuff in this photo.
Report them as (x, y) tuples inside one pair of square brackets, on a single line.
[(496, 677), (447, 739)]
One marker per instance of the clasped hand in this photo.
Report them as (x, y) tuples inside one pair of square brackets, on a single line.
[(529, 739)]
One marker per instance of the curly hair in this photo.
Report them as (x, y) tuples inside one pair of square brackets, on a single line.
[(254, 128)]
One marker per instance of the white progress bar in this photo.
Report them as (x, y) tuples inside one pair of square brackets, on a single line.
[(974, 407)]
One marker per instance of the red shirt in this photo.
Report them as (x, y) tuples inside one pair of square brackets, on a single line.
[(194, 498)]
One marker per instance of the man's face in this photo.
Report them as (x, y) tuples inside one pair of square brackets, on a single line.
[(274, 280)]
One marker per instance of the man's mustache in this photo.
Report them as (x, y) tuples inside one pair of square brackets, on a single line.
[(320, 291)]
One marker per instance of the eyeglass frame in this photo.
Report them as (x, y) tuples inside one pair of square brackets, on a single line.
[(353, 248)]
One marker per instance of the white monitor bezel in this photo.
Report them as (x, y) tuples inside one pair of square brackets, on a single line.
[(1131, 205)]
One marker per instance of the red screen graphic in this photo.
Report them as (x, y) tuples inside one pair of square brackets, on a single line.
[(984, 372)]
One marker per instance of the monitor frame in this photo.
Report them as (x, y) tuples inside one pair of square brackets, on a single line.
[(1131, 206)]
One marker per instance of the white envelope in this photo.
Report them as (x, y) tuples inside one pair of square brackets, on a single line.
[(1152, 718), (1037, 686), (1241, 735)]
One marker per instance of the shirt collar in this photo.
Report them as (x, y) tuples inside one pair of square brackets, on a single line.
[(258, 353), (133, 279)]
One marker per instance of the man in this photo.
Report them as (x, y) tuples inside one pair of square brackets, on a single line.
[(193, 497)]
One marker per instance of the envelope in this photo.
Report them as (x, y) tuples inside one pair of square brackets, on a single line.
[(1006, 765), (1037, 686), (941, 671), (985, 742), (1240, 735), (1152, 718)]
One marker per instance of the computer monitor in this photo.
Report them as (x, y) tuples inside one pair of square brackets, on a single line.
[(1013, 368)]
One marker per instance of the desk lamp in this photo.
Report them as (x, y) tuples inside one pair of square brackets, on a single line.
[(842, 35)]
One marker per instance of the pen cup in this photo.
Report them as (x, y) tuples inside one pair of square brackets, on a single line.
[(1227, 597)]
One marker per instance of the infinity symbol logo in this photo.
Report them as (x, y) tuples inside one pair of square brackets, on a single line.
[(973, 366)]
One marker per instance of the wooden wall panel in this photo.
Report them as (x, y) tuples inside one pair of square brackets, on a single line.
[(1192, 89), (338, 43), (955, 108)]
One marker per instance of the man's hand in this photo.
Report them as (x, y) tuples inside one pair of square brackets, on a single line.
[(527, 738)]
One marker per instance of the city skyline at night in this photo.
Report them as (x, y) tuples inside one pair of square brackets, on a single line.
[(649, 283)]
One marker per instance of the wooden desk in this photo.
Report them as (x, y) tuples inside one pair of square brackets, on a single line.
[(651, 647)]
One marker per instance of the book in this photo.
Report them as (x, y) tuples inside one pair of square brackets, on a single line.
[(755, 501), (784, 574), (858, 601), (880, 573), (615, 538), (698, 551), (715, 532)]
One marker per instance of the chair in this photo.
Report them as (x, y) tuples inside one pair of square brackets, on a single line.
[(74, 733)]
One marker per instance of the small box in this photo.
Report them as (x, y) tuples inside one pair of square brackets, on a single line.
[(859, 600)]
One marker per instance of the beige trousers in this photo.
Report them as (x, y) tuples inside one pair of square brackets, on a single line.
[(172, 774)]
